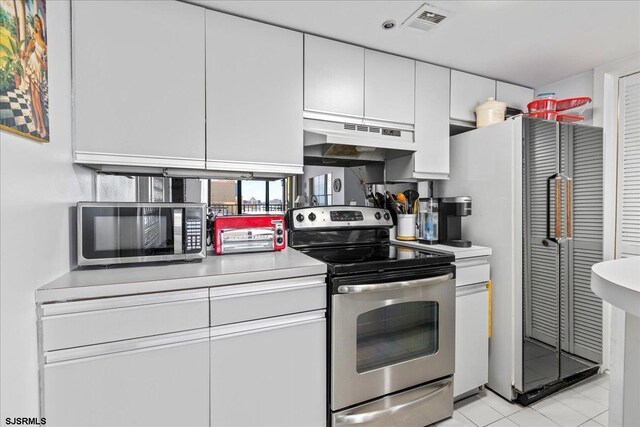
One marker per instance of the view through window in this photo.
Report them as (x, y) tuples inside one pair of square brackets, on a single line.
[(321, 189), (233, 197)]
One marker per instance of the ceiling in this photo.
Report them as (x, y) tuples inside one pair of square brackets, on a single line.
[(531, 43)]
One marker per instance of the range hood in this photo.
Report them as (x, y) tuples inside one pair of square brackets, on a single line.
[(354, 144)]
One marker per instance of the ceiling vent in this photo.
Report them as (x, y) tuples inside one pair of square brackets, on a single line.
[(426, 18)]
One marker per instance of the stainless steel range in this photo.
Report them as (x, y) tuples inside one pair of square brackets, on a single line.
[(392, 317)]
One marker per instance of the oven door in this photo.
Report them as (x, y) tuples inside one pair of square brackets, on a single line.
[(128, 232), (389, 332)]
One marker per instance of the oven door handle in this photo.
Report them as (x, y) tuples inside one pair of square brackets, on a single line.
[(367, 417), (392, 286)]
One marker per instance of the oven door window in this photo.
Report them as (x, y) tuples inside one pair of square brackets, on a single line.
[(110, 232), (396, 333)]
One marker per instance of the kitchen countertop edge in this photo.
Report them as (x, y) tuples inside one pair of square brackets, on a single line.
[(460, 253), (213, 271)]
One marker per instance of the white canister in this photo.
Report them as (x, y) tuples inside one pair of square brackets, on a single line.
[(406, 227), (490, 112)]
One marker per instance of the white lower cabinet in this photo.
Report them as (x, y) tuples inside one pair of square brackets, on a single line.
[(249, 354), (160, 381), (472, 343), (269, 372)]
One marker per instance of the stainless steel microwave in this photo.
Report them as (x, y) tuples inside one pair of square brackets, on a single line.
[(117, 233)]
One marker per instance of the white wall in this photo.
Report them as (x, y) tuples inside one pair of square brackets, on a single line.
[(39, 186), (352, 189), (578, 85)]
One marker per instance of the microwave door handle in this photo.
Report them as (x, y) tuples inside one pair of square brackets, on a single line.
[(383, 413), (177, 231), (390, 286)]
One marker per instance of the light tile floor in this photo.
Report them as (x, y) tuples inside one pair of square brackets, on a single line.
[(584, 404)]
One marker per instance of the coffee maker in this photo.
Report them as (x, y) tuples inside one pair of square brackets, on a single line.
[(452, 209)]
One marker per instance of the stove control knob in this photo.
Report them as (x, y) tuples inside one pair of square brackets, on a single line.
[(279, 240), (300, 217), (377, 215), (386, 216), (312, 216), (279, 231)]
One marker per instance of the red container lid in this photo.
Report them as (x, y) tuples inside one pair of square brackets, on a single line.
[(569, 103), (568, 118)]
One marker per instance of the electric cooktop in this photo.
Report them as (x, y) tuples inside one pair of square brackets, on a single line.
[(376, 258)]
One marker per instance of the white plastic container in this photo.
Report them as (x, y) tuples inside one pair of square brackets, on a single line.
[(490, 112)]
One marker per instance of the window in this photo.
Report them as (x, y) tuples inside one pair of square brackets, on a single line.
[(223, 199), (231, 197), (321, 189)]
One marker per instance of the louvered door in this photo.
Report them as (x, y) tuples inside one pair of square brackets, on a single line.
[(541, 292), (584, 308), (628, 209)]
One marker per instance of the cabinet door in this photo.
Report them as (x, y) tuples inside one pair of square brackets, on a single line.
[(254, 96), (152, 382), (431, 160), (432, 121), (389, 87), (270, 372), (515, 96), (472, 342), (139, 83), (333, 77), (467, 92)]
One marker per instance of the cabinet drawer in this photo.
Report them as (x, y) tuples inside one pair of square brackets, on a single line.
[(238, 303), (472, 270), (79, 323)]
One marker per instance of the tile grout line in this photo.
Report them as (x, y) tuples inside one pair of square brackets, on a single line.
[(468, 419), (548, 417)]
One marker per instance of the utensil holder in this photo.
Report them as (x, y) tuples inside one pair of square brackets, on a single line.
[(406, 227)]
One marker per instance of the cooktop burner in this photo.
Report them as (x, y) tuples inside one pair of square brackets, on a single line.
[(370, 258)]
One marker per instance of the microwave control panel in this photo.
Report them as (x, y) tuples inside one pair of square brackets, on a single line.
[(193, 231)]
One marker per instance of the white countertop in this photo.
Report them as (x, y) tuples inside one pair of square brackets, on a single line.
[(215, 270), (460, 253), (618, 282)]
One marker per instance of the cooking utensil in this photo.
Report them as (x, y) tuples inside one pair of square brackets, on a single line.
[(392, 207), (411, 196), (380, 199), (403, 202), (391, 201)]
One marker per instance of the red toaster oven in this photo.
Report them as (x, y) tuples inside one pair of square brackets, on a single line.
[(249, 233)]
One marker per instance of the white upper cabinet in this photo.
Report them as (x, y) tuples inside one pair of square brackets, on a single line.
[(467, 92), (138, 70), (431, 160), (389, 87), (432, 121), (333, 77), (515, 96), (254, 90)]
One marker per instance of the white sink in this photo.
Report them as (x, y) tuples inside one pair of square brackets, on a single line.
[(618, 283)]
